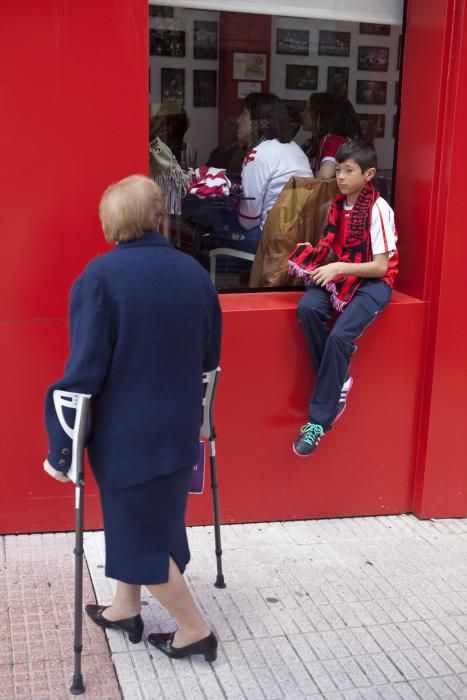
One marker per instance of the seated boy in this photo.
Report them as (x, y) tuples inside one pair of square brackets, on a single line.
[(361, 238)]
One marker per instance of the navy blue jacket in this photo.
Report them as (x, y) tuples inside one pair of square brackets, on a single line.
[(145, 322)]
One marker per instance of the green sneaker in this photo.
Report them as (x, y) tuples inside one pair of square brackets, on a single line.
[(308, 440)]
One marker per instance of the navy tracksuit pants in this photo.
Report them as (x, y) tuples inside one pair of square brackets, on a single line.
[(332, 349)]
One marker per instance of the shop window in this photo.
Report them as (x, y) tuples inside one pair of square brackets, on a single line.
[(203, 65)]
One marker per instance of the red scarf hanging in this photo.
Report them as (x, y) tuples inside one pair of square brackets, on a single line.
[(356, 244)]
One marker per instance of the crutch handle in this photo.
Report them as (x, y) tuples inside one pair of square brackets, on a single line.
[(77, 432)]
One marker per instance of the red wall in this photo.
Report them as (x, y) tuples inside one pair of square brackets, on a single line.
[(74, 104), (239, 33), (73, 80), (431, 187), (362, 467), (439, 245)]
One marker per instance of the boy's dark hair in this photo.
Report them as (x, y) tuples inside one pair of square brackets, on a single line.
[(360, 151), (269, 118)]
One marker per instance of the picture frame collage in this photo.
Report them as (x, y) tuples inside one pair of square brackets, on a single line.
[(370, 91), (172, 42)]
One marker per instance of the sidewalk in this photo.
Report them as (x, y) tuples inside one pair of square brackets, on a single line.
[(336, 609)]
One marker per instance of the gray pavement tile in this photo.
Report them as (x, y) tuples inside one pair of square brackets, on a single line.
[(268, 683), (372, 607)]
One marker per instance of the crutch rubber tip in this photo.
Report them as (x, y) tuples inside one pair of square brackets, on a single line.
[(220, 583), (77, 686)]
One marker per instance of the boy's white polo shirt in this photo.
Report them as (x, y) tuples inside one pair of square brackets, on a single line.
[(383, 228)]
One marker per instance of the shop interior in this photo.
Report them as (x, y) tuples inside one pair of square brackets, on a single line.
[(202, 66)]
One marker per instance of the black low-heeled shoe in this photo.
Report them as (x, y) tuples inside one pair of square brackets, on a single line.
[(206, 646), (133, 626)]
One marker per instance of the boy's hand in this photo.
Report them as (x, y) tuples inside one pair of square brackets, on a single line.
[(325, 274)]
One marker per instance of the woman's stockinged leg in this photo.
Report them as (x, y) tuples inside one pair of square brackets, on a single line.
[(177, 599), (126, 602)]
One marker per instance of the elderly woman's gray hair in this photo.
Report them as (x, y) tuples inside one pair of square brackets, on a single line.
[(129, 208)]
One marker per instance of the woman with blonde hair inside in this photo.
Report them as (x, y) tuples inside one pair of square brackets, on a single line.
[(144, 325)]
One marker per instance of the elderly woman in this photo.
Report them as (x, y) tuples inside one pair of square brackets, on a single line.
[(272, 159), (144, 324)]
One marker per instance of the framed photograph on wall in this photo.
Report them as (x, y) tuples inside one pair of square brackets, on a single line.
[(373, 58), (159, 11), (293, 41), (298, 77), (205, 40), (173, 85), (249, 66), (371, 92), (334, 43), (204, 88), (338, 80), (166, 42), (375, 29), (372, 126)]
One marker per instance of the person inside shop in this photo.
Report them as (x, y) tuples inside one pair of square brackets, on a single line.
[(132, 313), (271, 160), (230, 153), (295, 119), (333, 121), (360, 235)]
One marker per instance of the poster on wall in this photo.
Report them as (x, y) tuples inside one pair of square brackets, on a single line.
[(249, 66), (375, 29), (372, 126), (299, 77), (293, 41), (204, 88), (166, 42), (371, 92), (244, 89), (173, 85), (374, 58), (205, 40), (334, 43), (338, 80)]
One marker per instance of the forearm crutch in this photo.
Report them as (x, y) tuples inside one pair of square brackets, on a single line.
[(208, 431), (79, 403)]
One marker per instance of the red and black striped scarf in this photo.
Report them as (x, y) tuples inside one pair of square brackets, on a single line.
[(356, 246)]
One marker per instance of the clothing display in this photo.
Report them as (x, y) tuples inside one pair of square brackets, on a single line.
[(209, 182), (167, 173)]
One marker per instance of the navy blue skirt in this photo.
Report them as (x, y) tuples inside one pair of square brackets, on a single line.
[(144, 525)]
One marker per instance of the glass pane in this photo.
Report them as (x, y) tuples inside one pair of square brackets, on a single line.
[(224, 153)]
